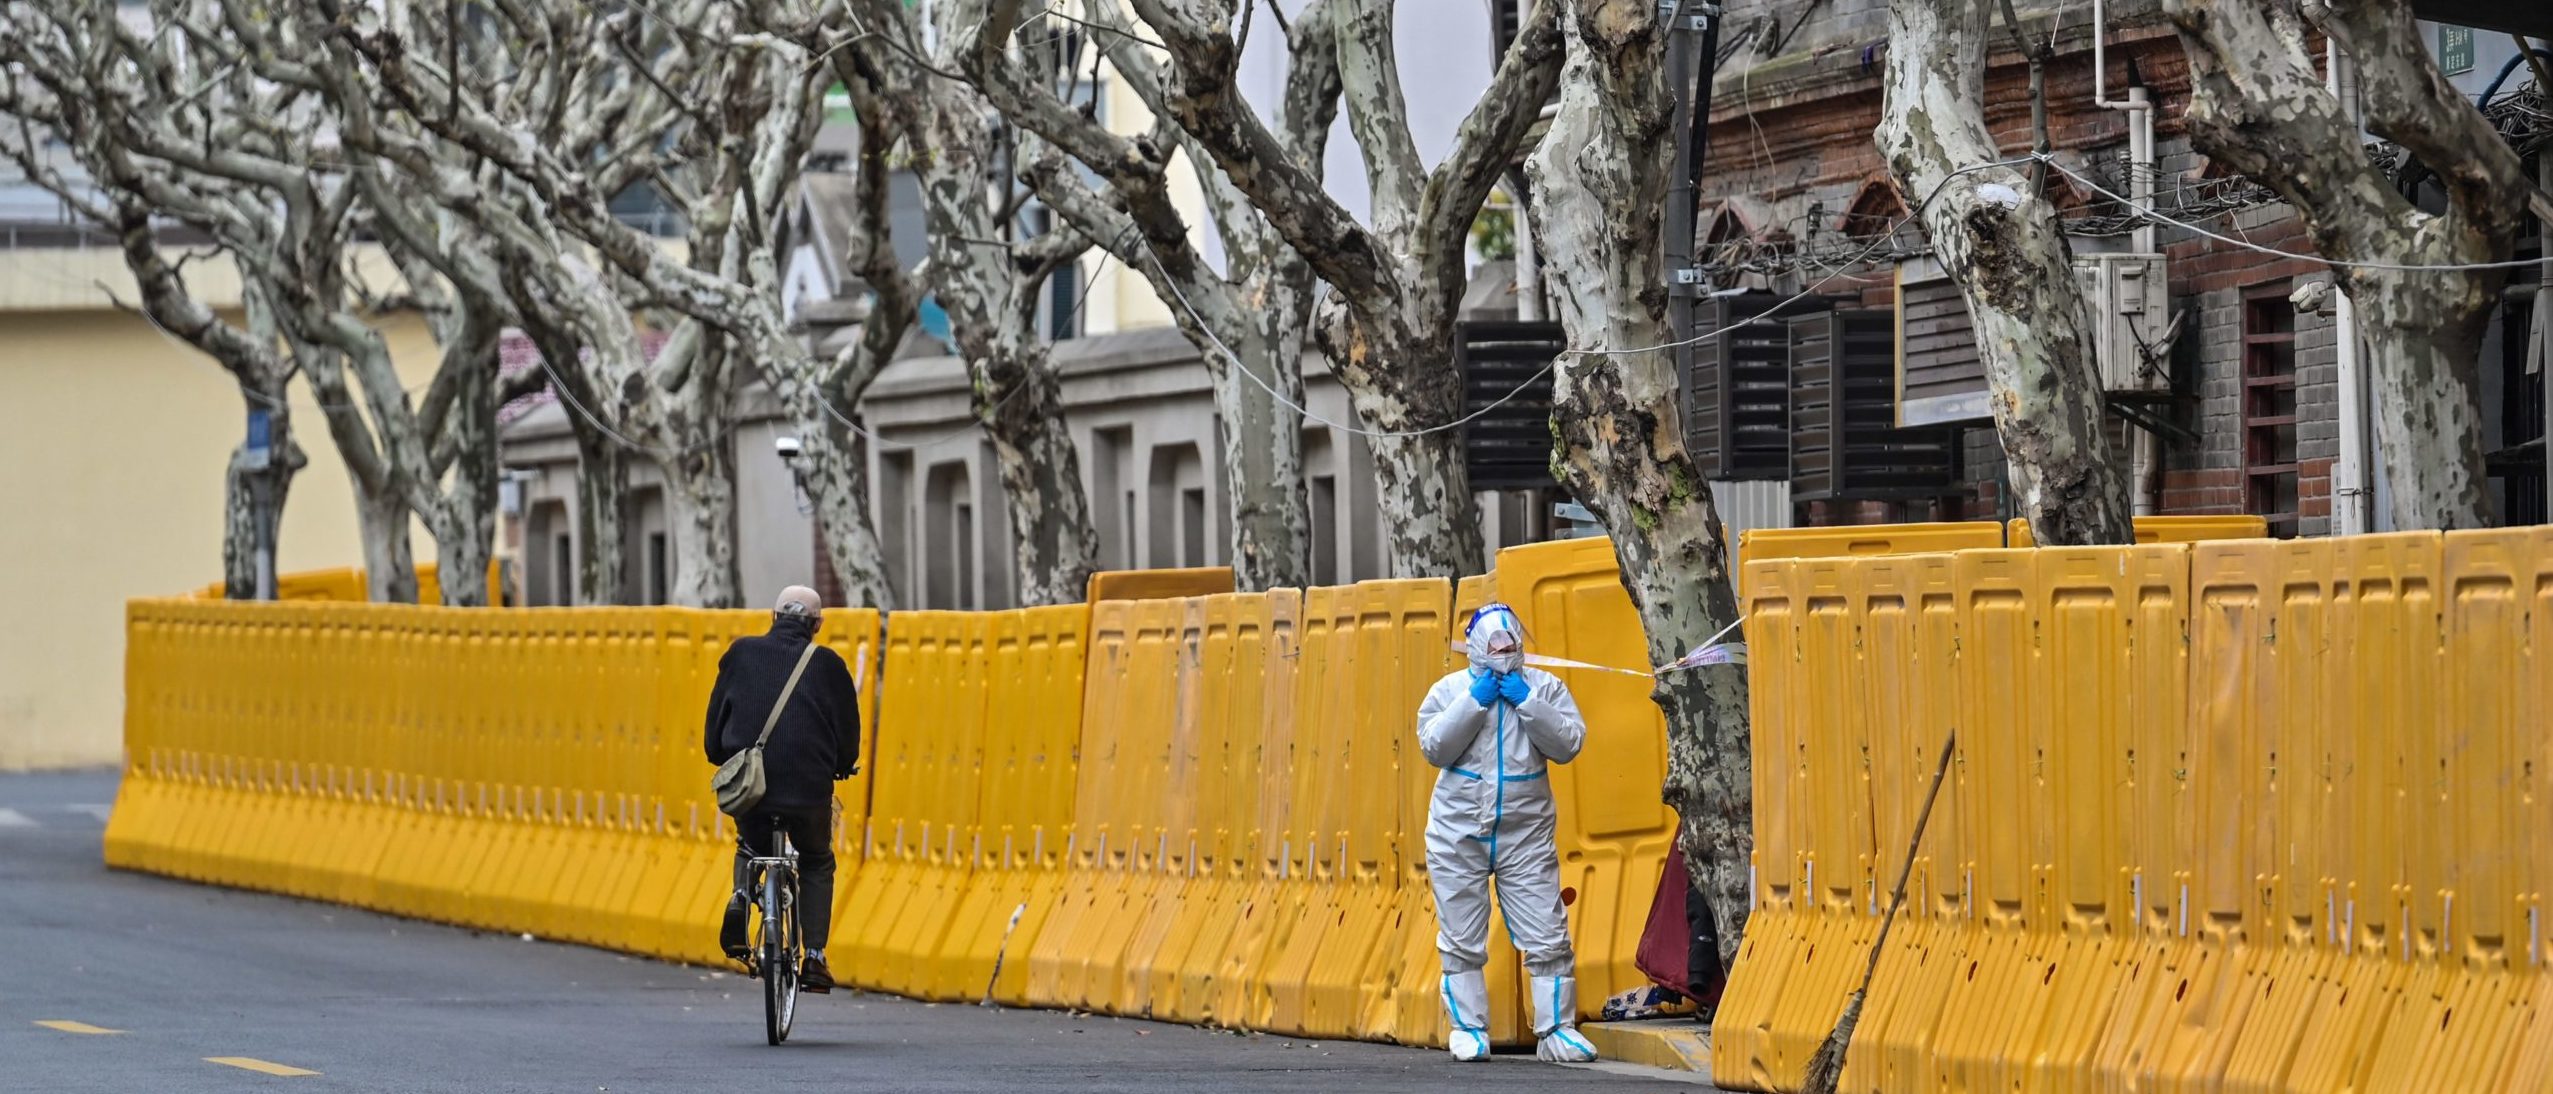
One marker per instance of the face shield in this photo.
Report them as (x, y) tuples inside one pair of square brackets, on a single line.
[(1496, 640)]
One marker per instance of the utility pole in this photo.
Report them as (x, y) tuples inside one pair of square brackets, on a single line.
[(1693, 51), (1693, 48)]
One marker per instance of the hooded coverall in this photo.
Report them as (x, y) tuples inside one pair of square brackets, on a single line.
[(1492, 816)]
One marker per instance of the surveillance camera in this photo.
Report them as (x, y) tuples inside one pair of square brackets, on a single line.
[(787, 447)]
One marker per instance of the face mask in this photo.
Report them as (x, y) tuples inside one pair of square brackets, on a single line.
[(1496, 626)]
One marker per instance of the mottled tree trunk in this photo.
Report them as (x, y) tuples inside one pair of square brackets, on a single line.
[(989, 276), (389, 558), (253, 515), (2002, 243), (1022, 406), (602, 497), (464, 548), (1620, 437), (1263, 456), (1423, 496), (254, 490), (2423, 333), (838, 481), (700, 505), (833, 466), (1423, 490), (2258, 103), (823, 396), (251, 524), (465, 518)]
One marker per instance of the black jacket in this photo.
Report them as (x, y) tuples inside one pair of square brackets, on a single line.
[(818, 738)]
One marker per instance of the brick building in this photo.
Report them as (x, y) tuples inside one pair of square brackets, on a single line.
[(2238, 369)]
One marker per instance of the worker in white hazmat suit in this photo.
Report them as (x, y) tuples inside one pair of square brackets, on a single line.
[(1492, 728)]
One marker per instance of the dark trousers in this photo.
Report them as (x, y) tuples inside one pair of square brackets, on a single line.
[(811, 835)]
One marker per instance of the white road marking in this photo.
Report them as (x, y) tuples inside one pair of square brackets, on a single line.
[(11, 818), (101, 812)]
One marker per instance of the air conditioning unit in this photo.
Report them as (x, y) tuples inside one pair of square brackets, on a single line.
[(2127, 299)]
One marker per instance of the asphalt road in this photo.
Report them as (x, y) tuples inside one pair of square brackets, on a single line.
[(208, 989)]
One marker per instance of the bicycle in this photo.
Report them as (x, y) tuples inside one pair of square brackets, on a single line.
[(779, 948)]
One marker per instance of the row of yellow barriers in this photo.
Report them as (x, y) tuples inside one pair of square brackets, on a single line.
[(534, 771), (351, 584), (1202, 808), (2242, 815)]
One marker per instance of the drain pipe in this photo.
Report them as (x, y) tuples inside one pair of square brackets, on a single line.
[(1528, 257), (2544, 318), (2351, 494), (2148, 465), (2146, 460)]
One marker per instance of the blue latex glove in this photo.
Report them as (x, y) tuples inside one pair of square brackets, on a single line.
[(1512, 687), (1485, 688)]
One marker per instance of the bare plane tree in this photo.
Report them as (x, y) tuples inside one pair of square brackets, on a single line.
[(1615, 411), (2258, 103), (256, 484), (824, 396), (1248, 323), (567, 110), (2000, 239), (987, 274), (1388, 327), (241, 158)]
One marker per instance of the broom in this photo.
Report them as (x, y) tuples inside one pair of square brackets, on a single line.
[(1826, 1066)]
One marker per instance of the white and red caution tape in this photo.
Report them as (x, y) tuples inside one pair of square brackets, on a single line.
[(1712, 651)]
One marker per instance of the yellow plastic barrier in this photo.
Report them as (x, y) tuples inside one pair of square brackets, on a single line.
[(1854, 541), (1024, 804), (1407, 1003), (1184, 983), (1907, 615), (1158, 730), (351, 585), (1159, 584), (923, 825), (1615, 831), (2242, 815), (1125, 684), (2166, 529), (536, 771), (511, 770), (2236, 814), (1234, 963), (1178, 892), (1400, 648)]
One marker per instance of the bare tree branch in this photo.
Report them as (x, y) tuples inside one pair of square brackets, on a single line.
[(1207, 102)]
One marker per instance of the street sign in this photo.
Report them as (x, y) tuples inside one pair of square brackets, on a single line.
[(2455, 49), (260, 448)]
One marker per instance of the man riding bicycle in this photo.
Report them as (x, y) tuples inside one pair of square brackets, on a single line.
[(814, 742)]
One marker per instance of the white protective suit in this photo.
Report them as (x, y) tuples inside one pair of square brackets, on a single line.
[(1492, 816)]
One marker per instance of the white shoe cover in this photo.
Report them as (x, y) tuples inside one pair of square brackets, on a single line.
[(1467, 1011), (1556, 1021)]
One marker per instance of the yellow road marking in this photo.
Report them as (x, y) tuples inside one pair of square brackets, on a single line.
[(75, 1027), (253, 1064)]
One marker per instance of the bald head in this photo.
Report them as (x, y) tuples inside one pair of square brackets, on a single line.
[(799, 602)]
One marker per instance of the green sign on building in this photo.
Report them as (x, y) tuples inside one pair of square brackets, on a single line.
[(2455, 50)]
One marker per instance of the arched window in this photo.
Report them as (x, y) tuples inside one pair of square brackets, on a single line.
[(1876, 222)]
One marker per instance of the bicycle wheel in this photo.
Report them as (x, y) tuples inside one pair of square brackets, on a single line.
[(779, 956)]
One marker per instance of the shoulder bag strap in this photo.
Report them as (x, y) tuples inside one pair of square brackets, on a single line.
[(768, 724)]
